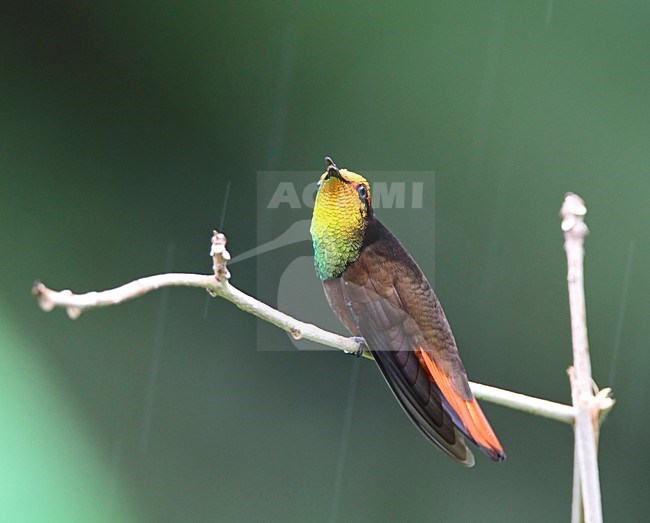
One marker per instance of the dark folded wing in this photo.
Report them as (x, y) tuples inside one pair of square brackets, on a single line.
[(394, 338)]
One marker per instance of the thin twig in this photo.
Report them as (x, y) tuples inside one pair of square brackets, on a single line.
[(531, 405), (218, 285), (586, 413), (75, 304), (576, 497)]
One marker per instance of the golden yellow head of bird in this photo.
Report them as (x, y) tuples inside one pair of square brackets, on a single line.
[(341, 212), (343, 201)]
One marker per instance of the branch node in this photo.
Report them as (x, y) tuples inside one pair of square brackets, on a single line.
[(573, 212), (40, 291), (220, 256), (604, 401), (296, 333), (73, 312)]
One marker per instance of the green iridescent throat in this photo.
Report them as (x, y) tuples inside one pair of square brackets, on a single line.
[(332, 254)]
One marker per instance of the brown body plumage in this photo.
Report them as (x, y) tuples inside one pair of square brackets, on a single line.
[(383, 296)]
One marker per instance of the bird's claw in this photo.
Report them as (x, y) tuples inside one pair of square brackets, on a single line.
[(361, 346)]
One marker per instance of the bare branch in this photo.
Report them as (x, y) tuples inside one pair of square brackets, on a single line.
[(218, 285), (75, 304), (535, 406), (586, 407)]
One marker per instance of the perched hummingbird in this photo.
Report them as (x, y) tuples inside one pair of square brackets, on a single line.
[(379, 293)]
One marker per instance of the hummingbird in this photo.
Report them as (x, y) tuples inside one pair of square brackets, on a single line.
[(379, 293)]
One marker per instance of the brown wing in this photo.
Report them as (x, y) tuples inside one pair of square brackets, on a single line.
[(395, 310)]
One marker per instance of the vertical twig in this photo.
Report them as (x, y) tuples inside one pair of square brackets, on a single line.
[(586, 414), (576, 499)]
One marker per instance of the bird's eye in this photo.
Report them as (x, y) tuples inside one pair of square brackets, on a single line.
[(362, 191)]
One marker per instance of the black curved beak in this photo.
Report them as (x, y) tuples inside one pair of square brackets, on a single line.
[(332, 169)]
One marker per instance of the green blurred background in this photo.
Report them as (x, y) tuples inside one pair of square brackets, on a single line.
[(121, 124)]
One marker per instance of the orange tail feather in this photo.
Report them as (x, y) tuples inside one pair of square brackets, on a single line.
[(469, 412)]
